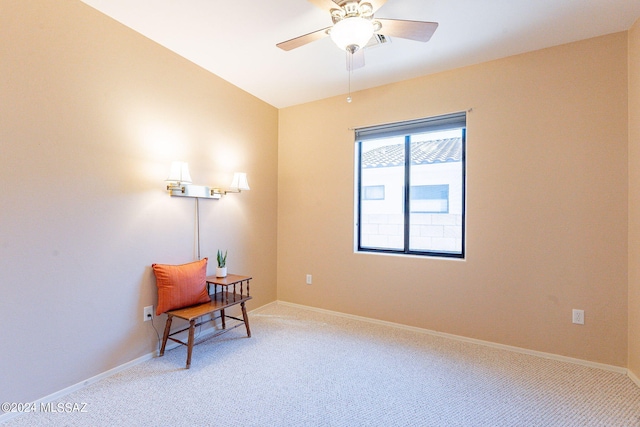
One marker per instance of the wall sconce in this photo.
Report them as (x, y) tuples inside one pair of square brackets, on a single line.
[(179, 184), (239, 183)]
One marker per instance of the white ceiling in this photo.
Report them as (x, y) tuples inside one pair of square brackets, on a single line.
[(236, 39)]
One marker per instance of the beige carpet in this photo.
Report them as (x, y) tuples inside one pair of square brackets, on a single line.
[(303, 368)]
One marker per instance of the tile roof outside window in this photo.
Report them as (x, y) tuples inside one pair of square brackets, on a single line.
[(423, 152)]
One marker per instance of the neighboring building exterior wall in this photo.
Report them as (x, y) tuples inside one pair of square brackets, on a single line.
[(383, 225)]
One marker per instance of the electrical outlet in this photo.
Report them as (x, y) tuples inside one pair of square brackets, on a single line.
[(309, 279), (147, 313), (578, 317)]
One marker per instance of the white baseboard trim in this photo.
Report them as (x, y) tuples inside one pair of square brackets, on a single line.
[(633, 377), (5, 417), (263, 307), (541, 354)]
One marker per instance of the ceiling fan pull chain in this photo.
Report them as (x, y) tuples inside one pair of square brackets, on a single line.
[(350, 72)]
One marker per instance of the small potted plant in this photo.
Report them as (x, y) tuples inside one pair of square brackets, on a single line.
[(221, 270)]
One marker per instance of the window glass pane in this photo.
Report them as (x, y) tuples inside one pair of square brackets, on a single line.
[(436, 192), (382, 220)]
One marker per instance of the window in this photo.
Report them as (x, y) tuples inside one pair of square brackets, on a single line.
[(410, 191), (430, 198), (373, 192)]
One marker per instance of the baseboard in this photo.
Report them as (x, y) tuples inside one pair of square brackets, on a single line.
[(263, 307), (5, 417), (541, 354), (633, 377)]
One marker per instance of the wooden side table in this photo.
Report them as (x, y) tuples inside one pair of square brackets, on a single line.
[(231, 280), (219, 302)]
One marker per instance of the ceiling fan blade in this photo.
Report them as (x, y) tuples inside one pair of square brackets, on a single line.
[(413, 30), (377, 4), (302, 40), (325, 4), (355, 60)]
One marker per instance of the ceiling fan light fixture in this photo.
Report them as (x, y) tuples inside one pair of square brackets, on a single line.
[(352, 33)]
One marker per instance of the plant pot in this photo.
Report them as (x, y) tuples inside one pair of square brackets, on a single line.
[(221, 271)]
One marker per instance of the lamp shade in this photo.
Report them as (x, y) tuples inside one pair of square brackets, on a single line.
[(239, 182), (179, 172), (352, 31)]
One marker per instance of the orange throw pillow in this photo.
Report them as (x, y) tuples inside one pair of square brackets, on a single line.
[(181, 285)]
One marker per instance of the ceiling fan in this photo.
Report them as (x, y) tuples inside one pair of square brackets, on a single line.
[(354, 25)]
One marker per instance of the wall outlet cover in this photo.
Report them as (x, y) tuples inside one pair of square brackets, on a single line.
[(578, 316), (147, 313)]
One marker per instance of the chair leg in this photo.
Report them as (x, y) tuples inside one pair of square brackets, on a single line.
[(246, 319), (167, 329), (192, 329)]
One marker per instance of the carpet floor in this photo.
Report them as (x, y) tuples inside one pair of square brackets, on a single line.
[(304, 368)]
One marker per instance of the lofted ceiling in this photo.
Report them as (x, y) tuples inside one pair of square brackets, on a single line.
[(236, 39)]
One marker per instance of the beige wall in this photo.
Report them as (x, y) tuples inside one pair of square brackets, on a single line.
[(91, 115), (634, 199), (546, 204)]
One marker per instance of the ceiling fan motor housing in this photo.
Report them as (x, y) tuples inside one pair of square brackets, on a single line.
[(353, 25), (352, 33), (355, 8)]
